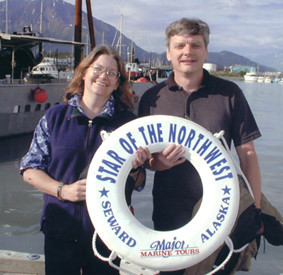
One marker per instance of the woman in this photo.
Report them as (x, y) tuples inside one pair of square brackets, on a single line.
[(63, 145)]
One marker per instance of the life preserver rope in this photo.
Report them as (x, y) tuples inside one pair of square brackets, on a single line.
[(123, 233), (220, 136)]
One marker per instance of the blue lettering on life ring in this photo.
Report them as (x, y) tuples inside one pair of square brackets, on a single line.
[(119, 229)]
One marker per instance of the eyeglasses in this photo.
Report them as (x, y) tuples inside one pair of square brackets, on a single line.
[(110, 74)]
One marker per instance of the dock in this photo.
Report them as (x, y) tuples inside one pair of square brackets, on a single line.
[(19, 263)]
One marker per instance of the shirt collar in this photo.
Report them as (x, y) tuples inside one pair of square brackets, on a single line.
[(173, 86), (107, 111)]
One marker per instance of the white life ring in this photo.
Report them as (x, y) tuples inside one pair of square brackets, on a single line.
[(123, 233)]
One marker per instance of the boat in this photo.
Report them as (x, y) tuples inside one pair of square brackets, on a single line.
[(23, 103), (24, 98), (47, 70), (267, 79), (251, 76), (162, 73), (132, 69), (260, 79)]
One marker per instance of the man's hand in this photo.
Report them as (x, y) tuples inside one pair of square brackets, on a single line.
[(171, 156)]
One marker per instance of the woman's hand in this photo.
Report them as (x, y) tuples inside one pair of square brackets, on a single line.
[(142, 154), (42, 181), (74, 192)]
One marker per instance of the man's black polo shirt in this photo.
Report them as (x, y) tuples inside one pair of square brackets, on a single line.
[(217, 105)]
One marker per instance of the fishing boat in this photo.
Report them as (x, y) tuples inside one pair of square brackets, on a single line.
[(26, 91), (24, 102)]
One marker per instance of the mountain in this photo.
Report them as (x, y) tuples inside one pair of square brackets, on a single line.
[(58, 22), (275, 60), (226, 58)]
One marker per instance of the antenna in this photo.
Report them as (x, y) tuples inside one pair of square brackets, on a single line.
[(40, 18)]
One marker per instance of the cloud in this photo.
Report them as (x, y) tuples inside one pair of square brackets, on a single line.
[(241, 26)]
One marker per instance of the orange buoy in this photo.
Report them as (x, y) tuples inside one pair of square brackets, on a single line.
[(40, 95), (142, 79)]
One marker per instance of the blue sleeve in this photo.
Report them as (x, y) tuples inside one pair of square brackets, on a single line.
[(38, 156)]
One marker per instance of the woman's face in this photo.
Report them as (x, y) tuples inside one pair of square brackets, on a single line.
[(101, 77)]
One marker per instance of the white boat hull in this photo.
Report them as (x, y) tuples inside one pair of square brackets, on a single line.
[(250, 78)]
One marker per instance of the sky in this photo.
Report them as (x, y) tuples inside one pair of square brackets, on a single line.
[(246, 27)]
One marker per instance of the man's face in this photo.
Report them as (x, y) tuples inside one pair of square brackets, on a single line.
[(187, 54)]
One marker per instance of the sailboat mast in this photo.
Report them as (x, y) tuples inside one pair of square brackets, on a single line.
[(121, 32), (40, 18), (6, 29), (132, 50)]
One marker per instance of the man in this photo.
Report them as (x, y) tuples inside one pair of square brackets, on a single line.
[(216, 104)]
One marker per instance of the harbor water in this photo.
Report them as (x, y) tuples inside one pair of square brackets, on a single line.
[(20, 204)]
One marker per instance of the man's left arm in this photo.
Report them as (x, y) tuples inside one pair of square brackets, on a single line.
[(250, 167)]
